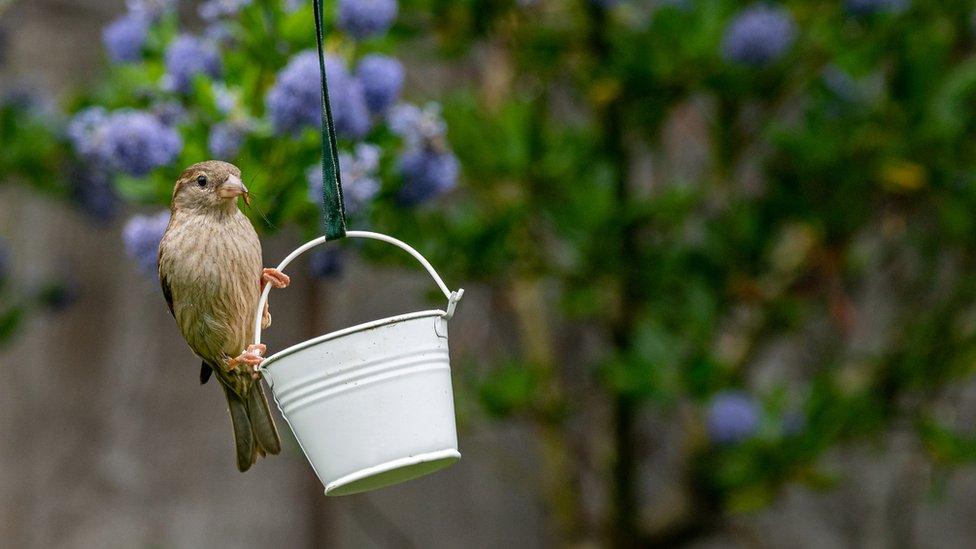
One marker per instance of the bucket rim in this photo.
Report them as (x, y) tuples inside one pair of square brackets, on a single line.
[(268, 362)]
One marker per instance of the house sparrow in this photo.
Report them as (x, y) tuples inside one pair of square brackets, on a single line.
[(211, 272)]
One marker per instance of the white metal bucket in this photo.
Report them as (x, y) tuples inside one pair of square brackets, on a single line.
[(371, 405)]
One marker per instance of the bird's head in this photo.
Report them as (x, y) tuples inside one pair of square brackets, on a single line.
[(211, 186)]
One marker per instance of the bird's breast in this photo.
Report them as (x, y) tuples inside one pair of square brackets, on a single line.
[(213, 267)]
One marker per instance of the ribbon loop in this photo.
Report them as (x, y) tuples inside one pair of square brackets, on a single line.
[(335, 210)]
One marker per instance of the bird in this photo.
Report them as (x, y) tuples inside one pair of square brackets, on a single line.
[(210, 270)]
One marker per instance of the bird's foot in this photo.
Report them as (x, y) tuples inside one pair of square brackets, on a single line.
[(276, 278), (250, 359)]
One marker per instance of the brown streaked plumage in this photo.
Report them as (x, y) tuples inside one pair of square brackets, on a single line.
[(211, 272)]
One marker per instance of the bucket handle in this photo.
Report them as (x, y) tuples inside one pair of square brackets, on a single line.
[(452, 297)]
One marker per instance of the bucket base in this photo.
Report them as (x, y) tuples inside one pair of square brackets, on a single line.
[(392, 472)]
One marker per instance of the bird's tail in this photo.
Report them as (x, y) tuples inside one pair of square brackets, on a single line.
[(254, 429), (262, 424)]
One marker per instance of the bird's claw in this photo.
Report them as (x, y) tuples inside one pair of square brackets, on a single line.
[(276, 278), (250, 358)]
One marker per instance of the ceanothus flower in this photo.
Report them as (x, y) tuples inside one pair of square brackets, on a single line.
[(427, 174), (359, 177), (133, 142), (360, 169), (188, 56), (141, 236), (136, 142), (225, 99), (170, 113), (418, 127), (220, 32), (83, 131), (225, 140), (428, 166), (325, 263), (366, 18), (125, 37), (350, 114), (732, 417), (151, 9), (382, 78), (869, 7), (94, 193), (294, 102), (759, 35), (211, 10)]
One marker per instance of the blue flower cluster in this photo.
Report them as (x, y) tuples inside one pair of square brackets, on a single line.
[(220, 32), (360, 184), (136, 142), (382, 78), (418, 127), (359, 175), (125, 37), (226, 99), (759, 35), (363, 91), (225, 140), (428, 166), (294, 102), (426, 175), (170, 113), (325, 263), (348, 99), (141, 237), (732, 417), (93, 192), (212, 10), (188, 56), (869, 7), (84, 131), (133, 142), (151, 9), (359, 178), (366, 18)]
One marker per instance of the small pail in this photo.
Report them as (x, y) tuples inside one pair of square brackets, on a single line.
[(370, 405)]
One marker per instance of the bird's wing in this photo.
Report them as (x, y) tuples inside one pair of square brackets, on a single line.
[(205, 372), (167, 292)]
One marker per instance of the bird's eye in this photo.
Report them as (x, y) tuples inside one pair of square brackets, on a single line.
[(202, 181)]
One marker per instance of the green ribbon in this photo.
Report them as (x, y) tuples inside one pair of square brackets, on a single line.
[(335, 209)]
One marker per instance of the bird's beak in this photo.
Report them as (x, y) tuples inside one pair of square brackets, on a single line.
[(232, 188)]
